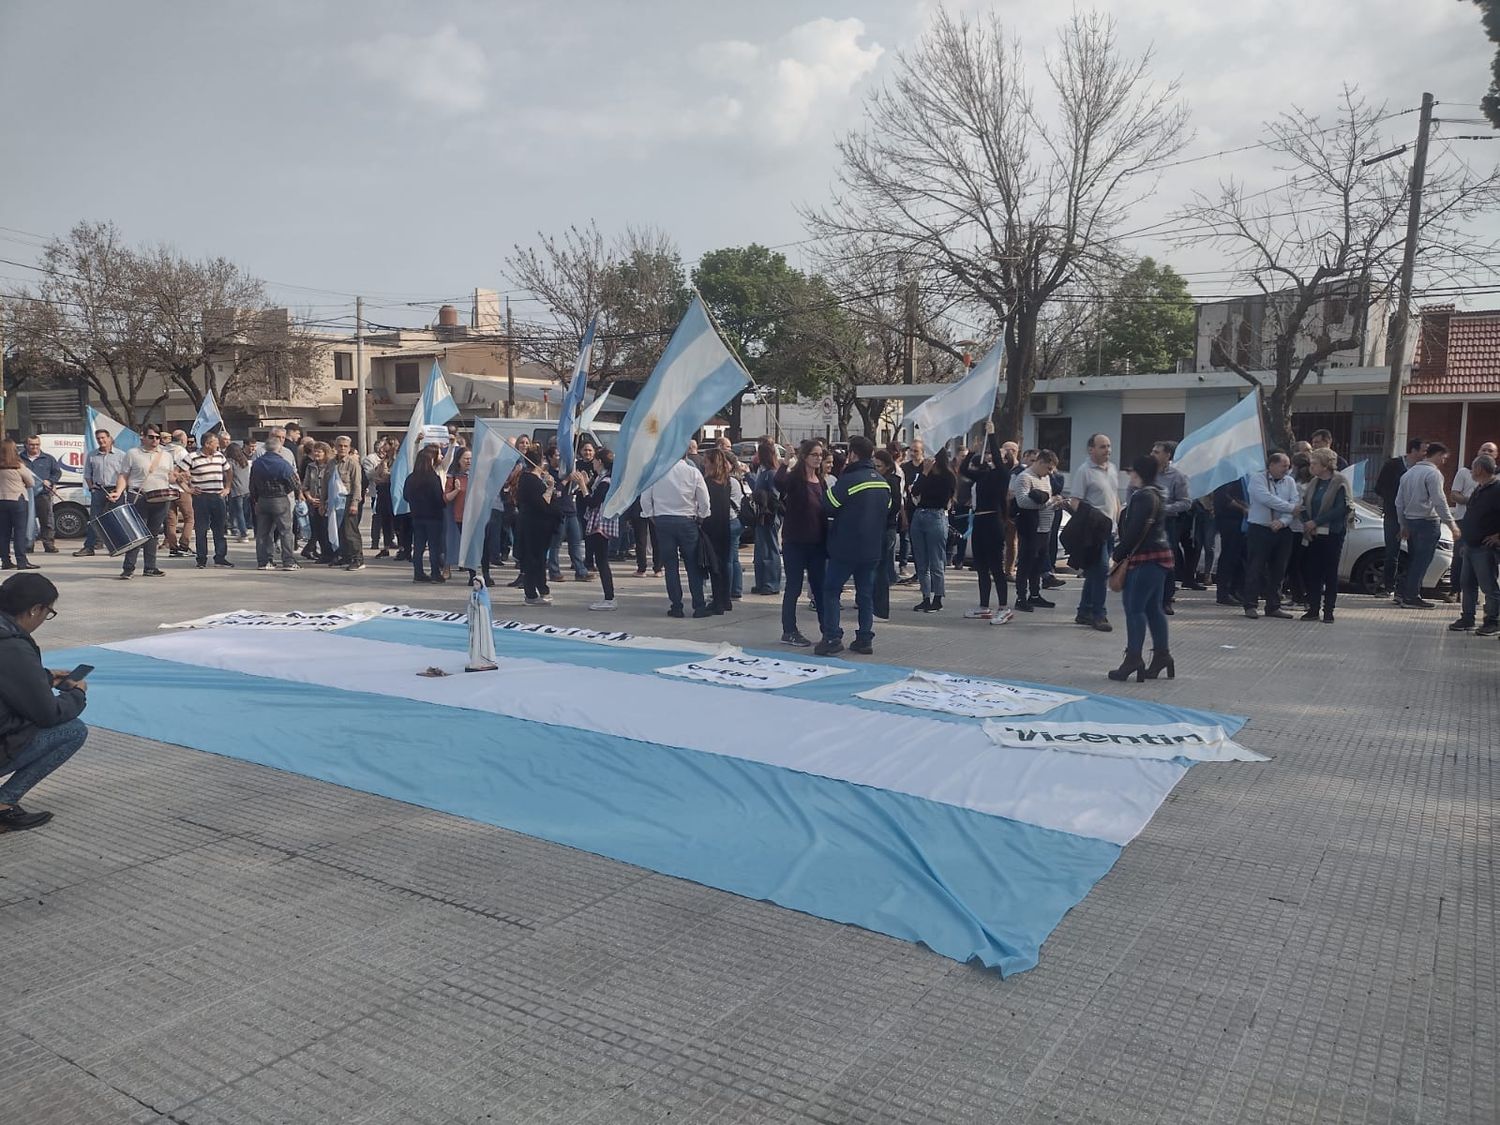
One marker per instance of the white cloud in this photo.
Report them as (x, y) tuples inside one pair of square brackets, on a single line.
[(441, 71)]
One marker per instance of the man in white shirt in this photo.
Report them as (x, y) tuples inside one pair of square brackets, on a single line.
[(1098, 484), (1458, 496), (674, 505), (146, 473), (1268, 540)]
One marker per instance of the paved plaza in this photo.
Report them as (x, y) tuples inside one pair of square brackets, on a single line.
[(200, 940)]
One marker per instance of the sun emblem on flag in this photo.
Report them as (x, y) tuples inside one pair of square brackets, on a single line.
[(653, 425)]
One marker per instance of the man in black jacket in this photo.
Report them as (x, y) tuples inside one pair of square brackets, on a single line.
[(1385, 487), (1480, 544), (39, 724), (857, 505)]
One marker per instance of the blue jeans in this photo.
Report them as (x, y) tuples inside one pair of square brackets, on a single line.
[(98, 505), (13, 529), (1144, 588), (572, 529), (835, 575), (678, 536), (1480, 564), (210, 512), (1421, 545), (736, 568), (810, 559), (427, 535), (929, 548), (888, 556), (239, 514), (1091, 605), (301, 522), (48, 749), (768, 556)]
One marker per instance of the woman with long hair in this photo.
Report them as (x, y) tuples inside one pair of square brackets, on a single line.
[(1325, 520), (314, 492), (1145, 553), (537, 518), (932, 491), (455, 488), (423, 492), (804, 551), (16, 483), (768, 519), (598, 531), (717, 474), (991, 477), (239, 491), (383, 522)]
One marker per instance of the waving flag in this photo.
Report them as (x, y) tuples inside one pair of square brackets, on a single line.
[(335, 503), (1355, 475), (434, 408), (573, 399), (696, 375), (208, 417), (490, 468), (949, 413), (591, 411), (1230, 446)]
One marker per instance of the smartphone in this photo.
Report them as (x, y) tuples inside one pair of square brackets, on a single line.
[(79, 673)]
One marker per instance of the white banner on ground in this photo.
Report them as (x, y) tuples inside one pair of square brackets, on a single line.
[(733, 667), (962, 695), (410, 613), (1124, 740), (323, 621)]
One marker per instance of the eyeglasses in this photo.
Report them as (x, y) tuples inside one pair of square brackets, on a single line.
[(51, 613), (150, 437)]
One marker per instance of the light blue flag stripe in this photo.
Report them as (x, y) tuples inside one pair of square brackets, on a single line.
[(434, 408), (493, 459), (695, 377), (573, 400), (208, 417), (958, 406), (125, 438), (1355, 475), (1229, 447)]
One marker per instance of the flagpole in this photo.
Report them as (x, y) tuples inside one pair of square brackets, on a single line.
[(760, 390)]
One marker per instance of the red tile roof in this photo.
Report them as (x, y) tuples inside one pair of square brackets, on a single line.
[(1457, 353)]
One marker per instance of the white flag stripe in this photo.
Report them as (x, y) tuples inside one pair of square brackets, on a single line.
[(949, 413), (1230, 446)]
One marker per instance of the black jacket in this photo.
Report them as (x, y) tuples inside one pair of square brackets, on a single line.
[(1141, 525), (1086, 532), (1389, 480), (1482, 516), (991, 482), (27, 702), (858, 504)]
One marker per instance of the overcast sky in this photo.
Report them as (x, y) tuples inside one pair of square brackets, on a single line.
[(400, 149)]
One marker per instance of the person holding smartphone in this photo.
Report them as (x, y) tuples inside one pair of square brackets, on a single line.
[(39, 708)]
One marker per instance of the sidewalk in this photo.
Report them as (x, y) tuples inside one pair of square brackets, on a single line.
[(198, 940)]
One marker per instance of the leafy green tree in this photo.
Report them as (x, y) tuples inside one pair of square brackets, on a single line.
[(1148, 322)]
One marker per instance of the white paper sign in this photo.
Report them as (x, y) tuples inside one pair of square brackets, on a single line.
[(254, 619), (1123, 740), (733, 667), (963, 695)]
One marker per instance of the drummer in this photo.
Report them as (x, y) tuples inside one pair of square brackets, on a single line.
[(147, 479)]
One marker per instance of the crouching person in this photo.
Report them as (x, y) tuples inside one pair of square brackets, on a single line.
[(39, 724)]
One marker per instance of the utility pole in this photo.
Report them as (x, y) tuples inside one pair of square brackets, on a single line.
[(1408, 268), (908, 361), (510, 362), (3, 404), (361, 421)]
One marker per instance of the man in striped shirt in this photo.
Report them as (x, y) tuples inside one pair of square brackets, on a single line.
[(208, 480)]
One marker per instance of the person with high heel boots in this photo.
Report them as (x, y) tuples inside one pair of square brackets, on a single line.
[(1145, 554)]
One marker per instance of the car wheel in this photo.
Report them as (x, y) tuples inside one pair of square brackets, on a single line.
[(69, 521), (1368, 574)]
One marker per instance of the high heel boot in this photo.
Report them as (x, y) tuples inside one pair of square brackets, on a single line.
[(1133, 665), (1161, 659)]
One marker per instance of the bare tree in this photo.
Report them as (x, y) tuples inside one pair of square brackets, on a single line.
[(1324, 249), (86, 316), (1000, 203)]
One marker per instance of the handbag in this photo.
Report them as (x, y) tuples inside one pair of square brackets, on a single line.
[(708, 558), (1118, 571)]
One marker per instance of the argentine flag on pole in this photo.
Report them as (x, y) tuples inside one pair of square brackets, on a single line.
[(490, 468), (949, 413), (125, 438), (573, 399), (696, 375), (1355, 475), (208, 417), (1229, 447), (591, 411), (434, 408)]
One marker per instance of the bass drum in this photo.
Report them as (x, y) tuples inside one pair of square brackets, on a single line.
[(120, 529)]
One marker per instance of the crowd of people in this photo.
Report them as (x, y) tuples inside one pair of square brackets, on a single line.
[(822, 517)]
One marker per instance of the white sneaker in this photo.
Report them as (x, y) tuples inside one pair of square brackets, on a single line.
[(265, 566), (979, 611), (607, 603), (1000, 617)]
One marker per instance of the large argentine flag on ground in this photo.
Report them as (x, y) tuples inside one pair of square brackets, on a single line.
[(434, 408), (490, 468), (208, 417), (924, 825), (954, 409), (1229, 447), (573, 400), (696, 376)]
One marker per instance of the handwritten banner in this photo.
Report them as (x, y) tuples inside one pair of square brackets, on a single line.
[(733, 667), (1124, 740)]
